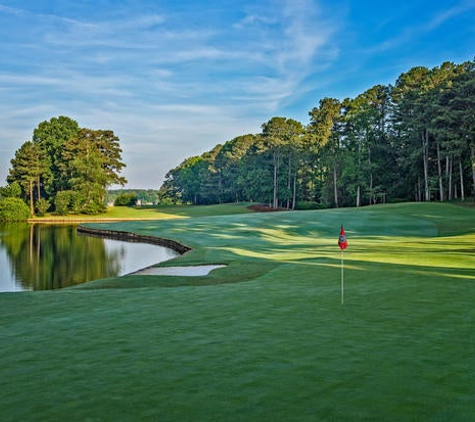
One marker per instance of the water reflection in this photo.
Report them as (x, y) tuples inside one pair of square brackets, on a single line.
[(45, 257)]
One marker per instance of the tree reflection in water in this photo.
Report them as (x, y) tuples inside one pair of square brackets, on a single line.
[(45, 257)]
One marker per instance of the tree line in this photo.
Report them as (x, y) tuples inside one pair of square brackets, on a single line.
[(414, 140), (65, 168), (130, 197)]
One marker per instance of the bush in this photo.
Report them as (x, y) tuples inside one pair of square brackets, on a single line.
[(70, 201), (13, 209), (42, 206), (67, 201), (308, 205), (62, 202), (126, 200), (76, 202), (93, 208)]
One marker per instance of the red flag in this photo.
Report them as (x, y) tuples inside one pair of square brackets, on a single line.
[(342, 242)]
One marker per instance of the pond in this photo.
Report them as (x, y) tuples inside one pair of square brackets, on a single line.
[(46, 257)]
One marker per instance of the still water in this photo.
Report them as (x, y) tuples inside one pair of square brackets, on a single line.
[(46, 257)]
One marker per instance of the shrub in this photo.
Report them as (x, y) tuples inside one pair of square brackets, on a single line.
[(42, 206), (13, 209), (308, 205), (126, 199), (67, 201), (62, 202), (76, 202), (93, 208)]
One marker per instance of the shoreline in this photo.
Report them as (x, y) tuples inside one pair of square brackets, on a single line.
[(133, 237), (78, 220), (181, 271)]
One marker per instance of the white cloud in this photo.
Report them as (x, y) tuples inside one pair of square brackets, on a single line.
[(253, 19), (168, 89), (446, 15), (11, 10)]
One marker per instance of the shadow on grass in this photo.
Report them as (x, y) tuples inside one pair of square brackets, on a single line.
[(358, 272), (252, 246)]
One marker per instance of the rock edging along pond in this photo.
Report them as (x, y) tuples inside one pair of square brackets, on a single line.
[(133, 237)]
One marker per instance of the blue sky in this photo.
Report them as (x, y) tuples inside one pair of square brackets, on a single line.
[(174, 78)]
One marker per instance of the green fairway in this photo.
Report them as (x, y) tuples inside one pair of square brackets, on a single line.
[(159, 212), (266, 338)]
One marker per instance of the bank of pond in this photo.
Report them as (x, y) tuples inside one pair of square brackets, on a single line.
[(47, 257)]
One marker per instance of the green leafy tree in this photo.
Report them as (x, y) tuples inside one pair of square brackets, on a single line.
[(454, 127), (12, 190), (91, 161), (28, 167), (254, 175), (413, 140), (463, 108), (325, 144), (63, 157), (279, 135), (127, 199), (414, 97), (411, 128), (185, 179), (366, 144), (229, 163), (51, 136)]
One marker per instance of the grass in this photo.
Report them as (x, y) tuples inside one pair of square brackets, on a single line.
[(266, 338), (161, 212)]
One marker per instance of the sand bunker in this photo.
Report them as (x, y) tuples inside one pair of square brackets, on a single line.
[(180, 271)]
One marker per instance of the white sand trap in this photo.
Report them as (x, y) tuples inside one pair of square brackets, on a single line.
[(180, 271)]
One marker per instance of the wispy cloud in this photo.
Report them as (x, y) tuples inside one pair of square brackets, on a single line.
[(11, 10), (290, 36), (173, 80), (144, 75), (413, 29), (444, 16), (277, 48)]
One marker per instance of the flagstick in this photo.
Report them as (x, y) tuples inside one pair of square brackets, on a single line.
[(342, 283)]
